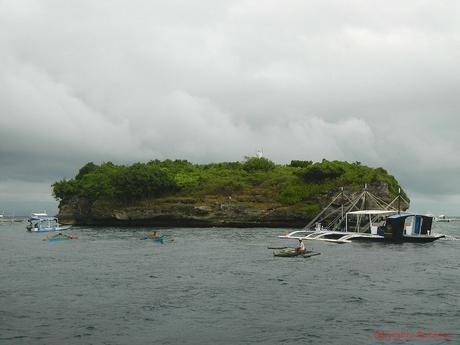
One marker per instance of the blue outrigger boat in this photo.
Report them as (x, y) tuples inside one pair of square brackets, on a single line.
[(60, 237), (158, 239), (41, 222)]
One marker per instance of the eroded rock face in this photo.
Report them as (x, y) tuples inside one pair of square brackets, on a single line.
[(227, 212), (232, 214)]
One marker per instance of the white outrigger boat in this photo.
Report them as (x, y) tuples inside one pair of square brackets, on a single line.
[(7, 219), (347, 223), (41, 222)]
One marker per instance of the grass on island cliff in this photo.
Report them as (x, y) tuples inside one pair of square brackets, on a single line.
[(257, 181)]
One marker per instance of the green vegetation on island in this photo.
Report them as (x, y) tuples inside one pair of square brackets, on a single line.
[(299, 184)]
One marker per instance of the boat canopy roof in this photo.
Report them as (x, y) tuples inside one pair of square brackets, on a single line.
[(371, 212), (43, 218), (406, 215)]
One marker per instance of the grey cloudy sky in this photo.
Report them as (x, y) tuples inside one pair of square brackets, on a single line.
[(214, 80)]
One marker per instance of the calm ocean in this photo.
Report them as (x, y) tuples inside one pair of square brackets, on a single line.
[(223, 286)]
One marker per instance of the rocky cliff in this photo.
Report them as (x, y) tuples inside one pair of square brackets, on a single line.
[(216, 211)]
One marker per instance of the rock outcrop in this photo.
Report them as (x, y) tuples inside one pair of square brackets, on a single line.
[(221, 211)]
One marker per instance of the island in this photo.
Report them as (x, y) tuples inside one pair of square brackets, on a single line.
[(177, 193)]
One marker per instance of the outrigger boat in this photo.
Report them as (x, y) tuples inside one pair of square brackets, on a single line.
[(154, 236), (347, 223), (4, 219), (41, 222), (60, 237), (292, 252)]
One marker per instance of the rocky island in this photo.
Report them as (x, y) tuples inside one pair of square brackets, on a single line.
[(253, 193)]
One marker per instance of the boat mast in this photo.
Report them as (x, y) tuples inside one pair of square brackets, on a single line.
[(341, 203), (399, 200), (364, 197), (322, 212), (363, 206)]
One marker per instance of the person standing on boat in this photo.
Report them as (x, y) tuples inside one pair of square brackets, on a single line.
[(300, 249)]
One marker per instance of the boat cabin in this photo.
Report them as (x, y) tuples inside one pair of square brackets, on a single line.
[(401, 227), (39, 223)]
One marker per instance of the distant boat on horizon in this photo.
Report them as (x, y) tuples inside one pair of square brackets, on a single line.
[(7, 218), (442, 218)]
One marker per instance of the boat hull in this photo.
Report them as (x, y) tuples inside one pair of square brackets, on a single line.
[(405, 240), (158, 239), (47, 229), (289, 252), (58, 239), (286, 253), (52, 238), (347, 237)]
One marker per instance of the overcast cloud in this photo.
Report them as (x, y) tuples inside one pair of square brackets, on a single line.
[(215, 80)]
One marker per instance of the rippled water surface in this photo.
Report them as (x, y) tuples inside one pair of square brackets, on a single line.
[(222, 286)]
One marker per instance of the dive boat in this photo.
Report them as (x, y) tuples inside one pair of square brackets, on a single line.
[(41, 222), (386, 224), (396, 228)]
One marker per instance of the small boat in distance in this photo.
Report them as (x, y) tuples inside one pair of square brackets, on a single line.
[(154, 236), (41, 222), (442, 218), (5, 219)]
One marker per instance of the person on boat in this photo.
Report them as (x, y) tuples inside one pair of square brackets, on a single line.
[(300, 249), (154, 234)]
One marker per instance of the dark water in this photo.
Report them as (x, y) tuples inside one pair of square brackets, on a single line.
[(223, 286)]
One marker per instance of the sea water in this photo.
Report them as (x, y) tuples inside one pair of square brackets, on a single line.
[(223, 286)]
